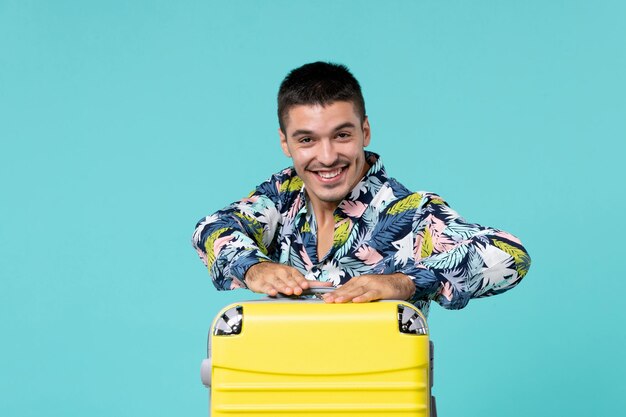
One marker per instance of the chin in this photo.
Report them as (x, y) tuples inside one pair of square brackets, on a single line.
[(336, 197)]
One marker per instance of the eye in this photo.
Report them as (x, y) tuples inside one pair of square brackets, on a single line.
[(343, 135), (305, 139)]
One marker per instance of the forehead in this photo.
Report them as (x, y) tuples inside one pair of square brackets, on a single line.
[(317, 117)]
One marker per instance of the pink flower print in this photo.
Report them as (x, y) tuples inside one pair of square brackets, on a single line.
[(437, 226), (441, 242), (368, 255), (219, 243), (353, 208), (295, 208), (305, 259)]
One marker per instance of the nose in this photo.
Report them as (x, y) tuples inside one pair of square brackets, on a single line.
[(327, 154)]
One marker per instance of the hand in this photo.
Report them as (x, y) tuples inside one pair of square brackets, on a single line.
[(271, 278), (366, 288)]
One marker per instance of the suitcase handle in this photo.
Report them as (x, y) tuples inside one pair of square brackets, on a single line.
[(318, 290), (309, 291)]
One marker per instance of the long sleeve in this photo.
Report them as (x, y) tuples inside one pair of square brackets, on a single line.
[(233, 239), (455, 261)]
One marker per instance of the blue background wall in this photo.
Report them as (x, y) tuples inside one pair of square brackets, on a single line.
[(122, 123)]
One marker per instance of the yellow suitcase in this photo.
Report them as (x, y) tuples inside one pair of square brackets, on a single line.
[(303, 357)]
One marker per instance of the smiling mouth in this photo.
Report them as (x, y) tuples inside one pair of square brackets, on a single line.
[(329, 175)]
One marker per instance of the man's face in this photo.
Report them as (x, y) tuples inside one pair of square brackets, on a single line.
[(326, 144)]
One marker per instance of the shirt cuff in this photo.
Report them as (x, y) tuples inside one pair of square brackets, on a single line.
[(426, 282)]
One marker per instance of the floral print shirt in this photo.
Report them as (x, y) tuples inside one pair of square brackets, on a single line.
[(380, 228)]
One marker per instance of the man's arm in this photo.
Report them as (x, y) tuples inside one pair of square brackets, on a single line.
[(237, 237), (238, 244), (453, 261), (456, 260)]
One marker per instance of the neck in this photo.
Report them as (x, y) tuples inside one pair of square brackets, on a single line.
[(324, 212)]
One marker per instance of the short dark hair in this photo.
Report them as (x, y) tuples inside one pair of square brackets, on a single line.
[(319, 83)]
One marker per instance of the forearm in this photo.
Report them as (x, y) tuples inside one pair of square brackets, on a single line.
[(230, 241), (489, 263), (401, 286), (456, 260), (227, 252)]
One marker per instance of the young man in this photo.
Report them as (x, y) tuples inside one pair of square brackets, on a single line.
[(336, 218)]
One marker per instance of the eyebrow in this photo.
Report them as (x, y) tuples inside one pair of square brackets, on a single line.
[(310, 132)]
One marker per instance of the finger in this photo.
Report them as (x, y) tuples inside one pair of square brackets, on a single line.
[(286, 290), (291, 277), (371, 295), (330, 297), (301, 282), (298, 284), (270, 290), (279, 282), (349, 293), (348, 296), (306, 284), (337, 296)]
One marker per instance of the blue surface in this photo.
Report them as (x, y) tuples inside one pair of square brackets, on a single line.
[(122, 123)]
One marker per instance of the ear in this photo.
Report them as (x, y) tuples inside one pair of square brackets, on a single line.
[(366, 132), (283, 143)]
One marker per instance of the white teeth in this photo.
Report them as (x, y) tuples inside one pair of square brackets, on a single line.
[(329, 175)]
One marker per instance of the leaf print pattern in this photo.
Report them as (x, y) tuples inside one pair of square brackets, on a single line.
[(522, 260), (427, 243), (380, 227), (368, 255), (410, 203), (342, 231)]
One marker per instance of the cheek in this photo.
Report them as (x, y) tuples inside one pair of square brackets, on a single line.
[(351, 151), (302, 156)]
